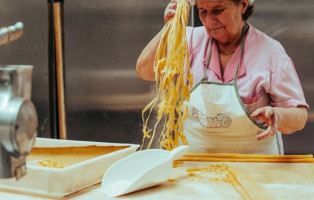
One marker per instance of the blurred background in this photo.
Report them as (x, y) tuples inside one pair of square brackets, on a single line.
[(102, 40)]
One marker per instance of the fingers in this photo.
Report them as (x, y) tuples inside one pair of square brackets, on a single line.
[(268, 114), (257, 113), (270, 117), (170, 11), (172, 5), (264, 111), (270, 131), (263, 134), (264, 114)]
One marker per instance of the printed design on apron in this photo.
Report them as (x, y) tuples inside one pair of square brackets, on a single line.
[(221, 120)]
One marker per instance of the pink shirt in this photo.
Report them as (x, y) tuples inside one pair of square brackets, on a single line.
[(266, 71)]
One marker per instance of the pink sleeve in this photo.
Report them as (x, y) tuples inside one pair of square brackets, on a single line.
[(197, 40), (189, 39), (285, 87)]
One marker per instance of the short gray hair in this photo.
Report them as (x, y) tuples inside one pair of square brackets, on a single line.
[(249, 10)]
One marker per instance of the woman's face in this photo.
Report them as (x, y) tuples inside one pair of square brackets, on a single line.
[(222, 18)]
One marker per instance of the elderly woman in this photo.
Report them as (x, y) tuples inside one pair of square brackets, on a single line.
[(246, 90)]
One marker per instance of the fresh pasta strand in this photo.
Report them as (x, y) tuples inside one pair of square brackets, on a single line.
[(173, 82), (233, 157)]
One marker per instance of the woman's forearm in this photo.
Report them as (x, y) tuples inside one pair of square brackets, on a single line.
[(291, 119), (145, 62)]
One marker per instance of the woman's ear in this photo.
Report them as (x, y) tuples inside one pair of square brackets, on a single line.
[(245, 5)]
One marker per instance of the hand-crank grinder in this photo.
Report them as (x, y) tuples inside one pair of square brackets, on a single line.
[(18, 117)]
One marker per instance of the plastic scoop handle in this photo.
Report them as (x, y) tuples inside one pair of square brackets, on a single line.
[(178, 152)]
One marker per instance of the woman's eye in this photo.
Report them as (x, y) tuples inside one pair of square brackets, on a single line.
[(203, 12), (216, 11)]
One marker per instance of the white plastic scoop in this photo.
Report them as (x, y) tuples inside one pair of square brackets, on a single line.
[(140, 170)]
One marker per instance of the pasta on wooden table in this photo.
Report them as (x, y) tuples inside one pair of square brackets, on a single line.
[(173, 83)]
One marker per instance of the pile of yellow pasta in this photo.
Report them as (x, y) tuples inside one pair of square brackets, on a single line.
[(51, 163), (173, 82)]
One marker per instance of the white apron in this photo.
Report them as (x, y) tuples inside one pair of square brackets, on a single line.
[(218, 122)]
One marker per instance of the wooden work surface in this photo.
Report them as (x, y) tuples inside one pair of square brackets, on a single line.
[(281, 180)]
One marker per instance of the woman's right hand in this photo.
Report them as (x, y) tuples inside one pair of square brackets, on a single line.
[(170, 11)]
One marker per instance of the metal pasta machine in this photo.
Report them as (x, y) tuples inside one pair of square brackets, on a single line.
[(18, 117)]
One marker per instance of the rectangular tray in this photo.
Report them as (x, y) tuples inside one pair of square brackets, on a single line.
[(58, 182)]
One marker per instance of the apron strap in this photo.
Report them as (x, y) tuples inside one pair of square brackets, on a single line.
[(244, 30), (209, 53), (208, 59)]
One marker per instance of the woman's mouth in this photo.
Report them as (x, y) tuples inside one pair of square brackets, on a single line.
[(214, 29)]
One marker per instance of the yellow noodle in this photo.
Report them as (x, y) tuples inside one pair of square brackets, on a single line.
[(225, 157), (265, 160), (173, 82), (241, 181)]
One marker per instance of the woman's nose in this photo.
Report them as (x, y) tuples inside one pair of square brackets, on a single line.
[(210, 20)]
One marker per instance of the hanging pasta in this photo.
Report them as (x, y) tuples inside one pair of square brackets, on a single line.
[(173, 83)]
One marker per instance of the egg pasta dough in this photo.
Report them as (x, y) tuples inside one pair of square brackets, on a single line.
[(173, 83)]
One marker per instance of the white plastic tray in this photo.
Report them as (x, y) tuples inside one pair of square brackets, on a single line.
[(63, 181)]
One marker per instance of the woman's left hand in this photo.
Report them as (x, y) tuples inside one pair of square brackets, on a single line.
[(272, 119)]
